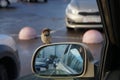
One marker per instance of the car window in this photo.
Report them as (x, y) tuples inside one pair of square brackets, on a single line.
[(73, 58), (31, 16), (76, 61)]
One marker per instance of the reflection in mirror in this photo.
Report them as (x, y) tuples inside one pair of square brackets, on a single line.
[(60, 59)]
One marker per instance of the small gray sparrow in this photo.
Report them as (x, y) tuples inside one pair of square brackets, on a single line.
[(46, 36)]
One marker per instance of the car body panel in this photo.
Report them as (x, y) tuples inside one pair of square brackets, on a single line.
[(8, 41), (9, 56), (80, 4)]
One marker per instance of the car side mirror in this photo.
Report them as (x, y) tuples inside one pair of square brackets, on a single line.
[(63, 60)]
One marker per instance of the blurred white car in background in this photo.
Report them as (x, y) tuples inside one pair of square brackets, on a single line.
[(35, 0), (6, 3), (82, 14)]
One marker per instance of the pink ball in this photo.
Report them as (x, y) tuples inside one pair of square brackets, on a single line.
[(27, 33), (92, 36)]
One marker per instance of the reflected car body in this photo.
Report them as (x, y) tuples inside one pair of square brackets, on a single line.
[(41, 63), (82, 14), (44, 63)]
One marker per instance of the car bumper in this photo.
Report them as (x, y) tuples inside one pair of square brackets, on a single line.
[(75, 21)]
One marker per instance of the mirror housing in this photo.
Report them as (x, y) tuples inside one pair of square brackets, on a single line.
[(63, 60)]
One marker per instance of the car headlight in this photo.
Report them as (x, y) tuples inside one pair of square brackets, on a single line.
[(71, 10)]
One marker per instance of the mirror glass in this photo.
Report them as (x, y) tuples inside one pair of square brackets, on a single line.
[(59, 59)]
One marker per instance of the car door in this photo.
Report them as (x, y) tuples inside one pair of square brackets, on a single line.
[(110, 61)]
